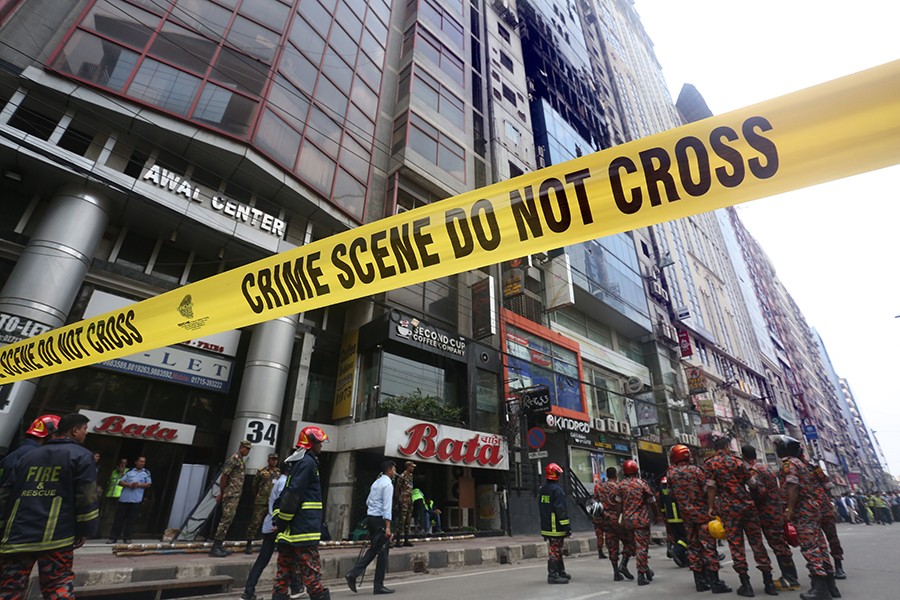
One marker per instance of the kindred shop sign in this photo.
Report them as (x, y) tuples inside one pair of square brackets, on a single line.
[(151, 430), (568, 424), (444, 445)]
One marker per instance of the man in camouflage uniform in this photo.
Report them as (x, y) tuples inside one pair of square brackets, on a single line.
[(605, 492), (687, 483), (728, 478), (403, 485), (803, 509), (770, 507), (637, 502), (822, 489), (231, 483), (262, 487)]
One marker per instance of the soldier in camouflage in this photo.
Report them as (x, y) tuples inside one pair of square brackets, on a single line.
[(822, 489), (728, 479), (638, 508), (231, 482), (605, 492), (403, 485), (262, 487)]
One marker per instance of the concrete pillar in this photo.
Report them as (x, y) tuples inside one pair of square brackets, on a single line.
[(258, 412), (45, 282)]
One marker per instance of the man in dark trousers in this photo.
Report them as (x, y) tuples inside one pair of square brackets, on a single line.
[(555, 526), (378, 523), (298, 519), (134, 482), (49, 507)]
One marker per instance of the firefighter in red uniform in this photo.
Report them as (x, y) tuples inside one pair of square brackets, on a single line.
[(605, 492), (803, 509), (49, 507), (687, 483), (298, 519), (637, 502), (728, 478), (555, 526), (771, 517), (822, 489)]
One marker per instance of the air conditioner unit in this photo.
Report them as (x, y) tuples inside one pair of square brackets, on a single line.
[(684, 438), (695, 440), (612, 425), (599, 424), (624, 428), (664, 295)]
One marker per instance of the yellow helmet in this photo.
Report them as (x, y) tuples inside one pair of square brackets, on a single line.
[(716, 529)]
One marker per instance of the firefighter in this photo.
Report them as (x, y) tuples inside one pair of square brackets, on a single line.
[(37, 433), (822, 489), (676, 536), (638, 506), (803, 509), (298, 519), (605, 493), (599, 523), (728, 479), (49, 507), (688, 485), (771, 517), (555, 526)]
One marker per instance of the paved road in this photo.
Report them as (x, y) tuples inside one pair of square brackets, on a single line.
[(871, 563)]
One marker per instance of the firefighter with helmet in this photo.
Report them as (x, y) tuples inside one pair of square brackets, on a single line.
[(803, 510), (40, 430), (638, 508), (687, 483), (298, 519), (555, 526)]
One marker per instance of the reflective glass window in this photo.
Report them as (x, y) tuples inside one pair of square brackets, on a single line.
[(307, 40), (96, 60), (340, 73), (296, 67), (254, 39), (360, 123), (235, 69), (364, 97), (224, 109), (355, 158), (122, 22), (164, 86), (349, 20), (277, 139), (204, 16), (270, 13), (183, 48), (316, 168), (329, 95), (289, 102), (317, 16), (323, 131), (349, 194)]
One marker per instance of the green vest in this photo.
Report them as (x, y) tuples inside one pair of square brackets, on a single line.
[(113, 489), (417, 495)]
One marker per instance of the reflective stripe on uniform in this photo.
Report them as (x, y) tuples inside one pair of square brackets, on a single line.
[(311, 506), (94, 514), (299, 537), (36, 546), (52, 518)]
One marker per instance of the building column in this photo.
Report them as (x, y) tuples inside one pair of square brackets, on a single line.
[(47, 279), (261, 397)]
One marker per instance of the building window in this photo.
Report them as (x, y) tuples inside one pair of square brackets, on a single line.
[(440, 19), (506, 61), (434, 145), (504, 33), (437, 97), (509, 94), (437, 53)]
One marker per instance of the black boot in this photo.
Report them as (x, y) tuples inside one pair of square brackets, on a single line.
[(323, 595), (642, 578), (623, 569), (406, 542), (768, 584), (839, 569), (818, 591), (746, 589), (562, 570), (788, 580), (217, 551), (553, 575), (717, 585), (833, 591), (600, 553), (700, 582), (249, 548)]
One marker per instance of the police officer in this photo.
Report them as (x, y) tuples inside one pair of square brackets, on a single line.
[(802, 508), (262, 487), (53, 491), (403, 487), (605, 492), (231, 482), (638, 507), (688, 485), (771, 517), (40, 430), (298, 519), (555, 526), (728, 478)]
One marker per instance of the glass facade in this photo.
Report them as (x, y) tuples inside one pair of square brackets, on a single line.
[(299, 80)]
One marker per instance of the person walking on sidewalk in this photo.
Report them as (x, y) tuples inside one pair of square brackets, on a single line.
[(231, 483), (379, 510), (48, 508), (728, 479), (403, 487), (638, 507), (606, 492), (770, 507), (262, 486), (555, 526), (688, 485), (298, 519), (133, 484)]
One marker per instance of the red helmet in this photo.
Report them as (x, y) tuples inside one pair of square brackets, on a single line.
[(553, 471), (311, 434), (679, 453), (629, 467), (43, 426)]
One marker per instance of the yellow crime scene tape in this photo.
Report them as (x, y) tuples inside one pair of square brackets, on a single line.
[(834, 130)]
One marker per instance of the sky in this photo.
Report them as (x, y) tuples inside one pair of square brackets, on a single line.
[(838, 261)]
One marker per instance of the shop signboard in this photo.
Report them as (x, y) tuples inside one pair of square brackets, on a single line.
[(484, 309), (14, 328), (127, 426), (684, 343), (413, 332), (696, 380), (444, 445), (536, 400), (177, 366)]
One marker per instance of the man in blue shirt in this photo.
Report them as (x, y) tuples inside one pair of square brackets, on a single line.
[(378, 522), (133, 484)]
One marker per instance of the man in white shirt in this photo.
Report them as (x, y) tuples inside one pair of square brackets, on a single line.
[(378, 522)]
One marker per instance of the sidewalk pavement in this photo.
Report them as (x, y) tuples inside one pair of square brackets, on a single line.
[(95, 563)]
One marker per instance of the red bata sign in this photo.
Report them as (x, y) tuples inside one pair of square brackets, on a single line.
[(136, 427), (441, 444)]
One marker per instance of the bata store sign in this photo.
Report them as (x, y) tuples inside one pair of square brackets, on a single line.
[(149, 430), (444, 445)]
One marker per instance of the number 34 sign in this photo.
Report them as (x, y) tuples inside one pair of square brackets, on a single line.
[(261, 431)]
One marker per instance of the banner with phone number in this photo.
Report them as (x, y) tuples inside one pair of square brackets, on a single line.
[(834, 130)]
